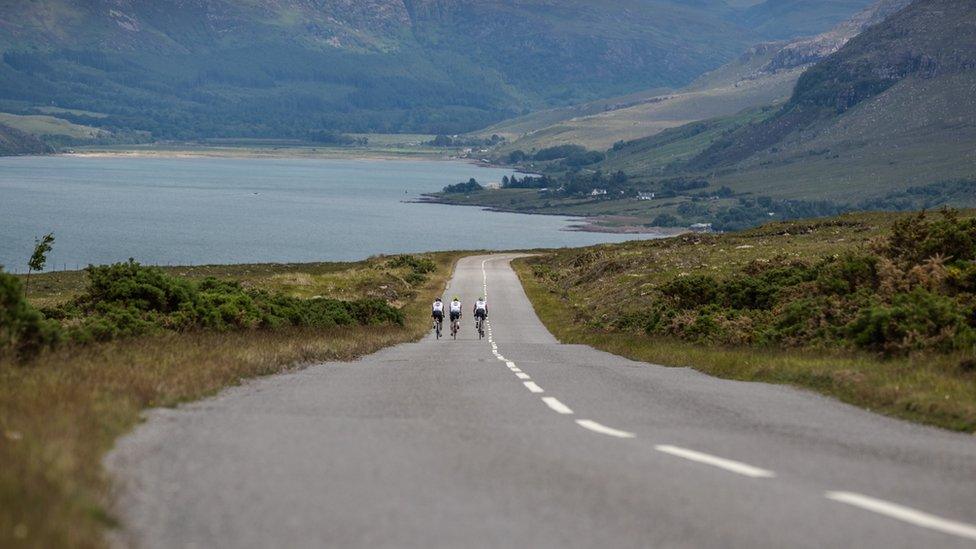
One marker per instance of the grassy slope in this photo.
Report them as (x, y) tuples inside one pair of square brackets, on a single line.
[(917, 132), (653, 115), (49, 125), (654, 155), (892, 108), (514, 128), (59, 415), (927, 388)]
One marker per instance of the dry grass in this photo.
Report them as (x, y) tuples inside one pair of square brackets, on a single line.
[(928, 388), (62, 413)]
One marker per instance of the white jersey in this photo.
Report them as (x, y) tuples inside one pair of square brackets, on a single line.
[(455, 306), (438, 307), (481, 305)]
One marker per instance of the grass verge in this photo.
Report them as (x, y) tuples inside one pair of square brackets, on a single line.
[(925, 387), (60, 414)]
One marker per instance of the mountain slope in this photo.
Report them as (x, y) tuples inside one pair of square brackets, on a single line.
[(784, 19), (892, 109), (189, 68), (764, 74)]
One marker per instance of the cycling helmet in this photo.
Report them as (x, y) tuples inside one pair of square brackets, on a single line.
[(456, 298), (437, 299)]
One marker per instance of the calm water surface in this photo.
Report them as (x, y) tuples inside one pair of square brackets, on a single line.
[(224, 210)]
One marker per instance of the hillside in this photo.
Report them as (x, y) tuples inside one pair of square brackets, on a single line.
[(764, 74), (263, 68), (892, 109), (888, 122), (15, 142)]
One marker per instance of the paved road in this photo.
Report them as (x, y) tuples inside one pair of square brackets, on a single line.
[(534, 444)]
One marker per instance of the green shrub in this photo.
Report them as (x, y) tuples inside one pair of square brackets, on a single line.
[(847, 273), (916, 239), (749, 292), (130, 283), (692, 291), (375, 311), (419, 266), (128, 299), (901, 299), (23, 329), (913, 321)]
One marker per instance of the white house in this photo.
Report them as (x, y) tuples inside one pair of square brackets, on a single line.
[(645, 196), (598, 192)]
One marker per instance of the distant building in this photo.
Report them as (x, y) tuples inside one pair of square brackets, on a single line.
[(645, 196), (701, 227), (598, 192)]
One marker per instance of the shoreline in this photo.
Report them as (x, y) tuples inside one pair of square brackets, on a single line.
[(584, 224), (233, 152)]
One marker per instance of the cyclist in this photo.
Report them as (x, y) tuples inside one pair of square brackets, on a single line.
[(437, 310), (481, 309), (455, 309)]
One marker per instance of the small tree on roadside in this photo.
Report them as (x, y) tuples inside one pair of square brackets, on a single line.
[(42, 247)]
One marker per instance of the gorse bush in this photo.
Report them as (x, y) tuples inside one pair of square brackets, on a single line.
[(419, 267), (912, 290), (128, 299), (23, 329)]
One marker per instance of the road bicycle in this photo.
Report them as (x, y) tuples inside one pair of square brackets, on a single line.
[(437, 327), (480, 324), (455, 326)]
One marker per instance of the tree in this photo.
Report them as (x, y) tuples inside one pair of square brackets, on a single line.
[(39, 257)]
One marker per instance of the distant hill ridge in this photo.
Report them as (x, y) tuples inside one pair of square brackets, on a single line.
[(282, 68)]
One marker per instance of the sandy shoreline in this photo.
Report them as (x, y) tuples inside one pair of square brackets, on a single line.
[(232, 152)]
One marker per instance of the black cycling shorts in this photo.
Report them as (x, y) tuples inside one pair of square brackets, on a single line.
[(455, 316), (481, 313), (439, 315)]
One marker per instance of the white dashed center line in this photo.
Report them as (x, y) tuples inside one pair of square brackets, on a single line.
[(888, 509), (715, 461), (532, 387), (905, 514), (557, 406), (603, 429)]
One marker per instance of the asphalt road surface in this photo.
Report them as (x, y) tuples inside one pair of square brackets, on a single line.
[(519, 441)]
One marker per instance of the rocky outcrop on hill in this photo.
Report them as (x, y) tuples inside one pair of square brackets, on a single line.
[(805, 51), (14, 142)]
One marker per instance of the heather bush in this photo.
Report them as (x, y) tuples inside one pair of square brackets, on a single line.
[(914, 290)]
